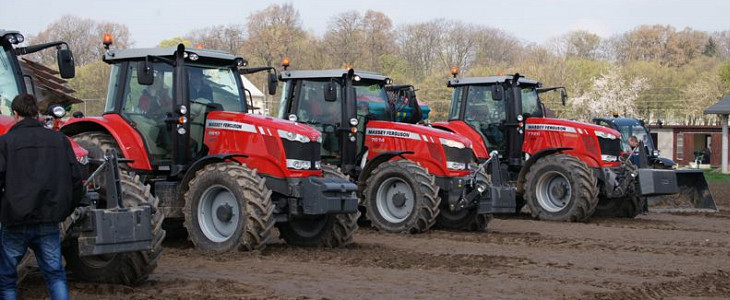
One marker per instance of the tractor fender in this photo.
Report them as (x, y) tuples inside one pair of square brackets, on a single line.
[(128, 139), (201, 163), (377, 160), (526, 167)]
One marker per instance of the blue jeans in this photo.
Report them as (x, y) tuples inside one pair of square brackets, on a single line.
[(45, 240)]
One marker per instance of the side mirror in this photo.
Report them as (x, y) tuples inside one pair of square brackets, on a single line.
[(66, 64), (145, 73), (273, 84), (330, 92), (563, 96), (497, 92)]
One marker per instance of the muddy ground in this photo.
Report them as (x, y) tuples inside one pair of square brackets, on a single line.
[(659, 256)]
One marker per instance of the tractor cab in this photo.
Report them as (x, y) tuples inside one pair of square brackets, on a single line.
[(148, 89), (495, 108), (317, 98)]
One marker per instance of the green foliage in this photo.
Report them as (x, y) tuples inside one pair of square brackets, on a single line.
[(90, 84), (173, 42), (725, 74)]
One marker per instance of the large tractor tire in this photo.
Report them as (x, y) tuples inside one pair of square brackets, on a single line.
[(228, 207), (128, 268), (401, 197), (626, 207), (560, 187), (331, 231), (97, 143), (466, 219)]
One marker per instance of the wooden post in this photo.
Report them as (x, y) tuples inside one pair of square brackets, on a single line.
[(723, 119)]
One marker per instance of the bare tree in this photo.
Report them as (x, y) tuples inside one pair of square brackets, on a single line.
[(230, 38), (84, 36), (272, 33), (419, 45), (345, 38), (379, 38)]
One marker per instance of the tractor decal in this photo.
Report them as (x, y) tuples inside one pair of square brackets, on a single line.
[(394, 133), (230, 125), (550, 128)]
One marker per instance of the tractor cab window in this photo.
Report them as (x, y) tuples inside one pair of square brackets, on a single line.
[(322, 115), (218, 85), (485, 114), (8, 82), (636, 130), (530, 103), (146, 106), (456, 103), (372, 100)]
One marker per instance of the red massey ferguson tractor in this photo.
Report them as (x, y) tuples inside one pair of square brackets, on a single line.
[(116, 236), (559, 168), (409, 176), (180, 116)]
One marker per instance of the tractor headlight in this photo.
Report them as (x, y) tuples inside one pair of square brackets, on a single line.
[(451, 143), (183, 109), (454, 165), (294, 137), (318, 165), (83, 160), (655, 153), (605, 157), (19, 38), (298, 164), (605, 135), (354, 122), (58, 111)]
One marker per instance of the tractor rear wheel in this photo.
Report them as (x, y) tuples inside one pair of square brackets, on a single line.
[(626, 207), (128, 268), (561, 188), (466, 219), (401, 196), (321, 231), (228, 207)]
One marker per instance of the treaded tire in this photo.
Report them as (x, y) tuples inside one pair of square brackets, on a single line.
[(128, 268), (466, 220), (255, 209), (583, 188), (426, 199), (626, 207), (335, 230)]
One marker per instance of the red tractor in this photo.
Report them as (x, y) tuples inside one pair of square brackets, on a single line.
[(116, 236), (180, 116), (558, 168), (409, 176)]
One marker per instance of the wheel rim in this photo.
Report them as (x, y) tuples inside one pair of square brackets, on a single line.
[(218, 213), (395, 200), (553, 191)]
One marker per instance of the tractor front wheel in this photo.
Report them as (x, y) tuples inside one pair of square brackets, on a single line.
[(401, 196), (561, 188), (321, 231), (466, 219), (228, 207)]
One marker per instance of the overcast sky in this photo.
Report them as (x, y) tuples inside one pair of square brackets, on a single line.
[(151, 21)]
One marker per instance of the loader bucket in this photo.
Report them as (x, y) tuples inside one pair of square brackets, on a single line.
[(694, 195)]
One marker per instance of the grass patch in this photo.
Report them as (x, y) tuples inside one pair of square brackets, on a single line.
[(713, 175)]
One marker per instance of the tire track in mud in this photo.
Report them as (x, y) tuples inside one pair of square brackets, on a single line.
[(377, 255), (178, 288), (709, 284), (534, 239)]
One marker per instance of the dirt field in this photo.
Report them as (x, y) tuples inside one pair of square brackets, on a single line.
[(659, 256)]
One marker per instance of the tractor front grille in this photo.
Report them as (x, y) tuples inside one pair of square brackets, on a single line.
[(303, 151), (610, 146), (464, 155)]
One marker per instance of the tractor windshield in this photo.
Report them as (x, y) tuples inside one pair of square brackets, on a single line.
[(636, 130), (218, 85), (530, 102), (9, 83), (372, 100)]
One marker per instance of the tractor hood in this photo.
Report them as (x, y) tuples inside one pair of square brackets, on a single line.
[(417, 132), (256, 123), (569, 126)]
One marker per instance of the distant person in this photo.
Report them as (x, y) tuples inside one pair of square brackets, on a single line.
[(155, 99), (706, 155), (634, 146), (198, 87), (40, 185)]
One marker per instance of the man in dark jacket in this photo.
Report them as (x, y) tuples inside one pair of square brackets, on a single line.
[(39, 184)]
